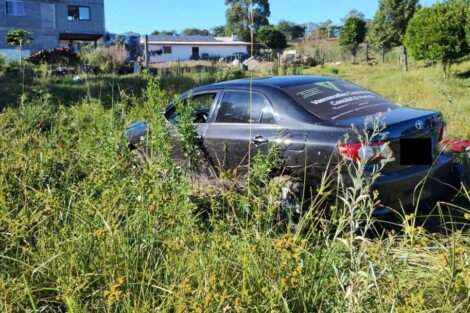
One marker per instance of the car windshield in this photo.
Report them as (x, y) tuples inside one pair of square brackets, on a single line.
[(333, 100)]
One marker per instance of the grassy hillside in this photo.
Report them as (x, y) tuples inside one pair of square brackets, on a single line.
[(85, 227), (70, 89)]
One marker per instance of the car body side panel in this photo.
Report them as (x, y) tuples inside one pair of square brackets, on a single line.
[(230, 146)]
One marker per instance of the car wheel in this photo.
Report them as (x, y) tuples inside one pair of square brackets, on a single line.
[(139, 153)]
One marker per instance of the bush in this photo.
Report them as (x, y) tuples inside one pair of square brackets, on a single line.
[(308, 61), (95, 62), (14, 70), (437, 33), (56, 56), (353, 33), (111, 59), (272, 38), (2, 64)]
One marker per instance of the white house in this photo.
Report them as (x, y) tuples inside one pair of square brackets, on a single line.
[(173, 48)]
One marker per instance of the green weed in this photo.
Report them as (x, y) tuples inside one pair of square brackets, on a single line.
[(85, 226)]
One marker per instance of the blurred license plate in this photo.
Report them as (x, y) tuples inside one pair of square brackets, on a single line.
[(416, 151)]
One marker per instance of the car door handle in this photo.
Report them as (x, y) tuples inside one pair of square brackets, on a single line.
[(259, 139)]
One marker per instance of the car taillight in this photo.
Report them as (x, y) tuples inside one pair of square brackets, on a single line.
[(366, 152)]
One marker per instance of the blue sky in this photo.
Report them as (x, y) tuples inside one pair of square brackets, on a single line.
[(144, 16)]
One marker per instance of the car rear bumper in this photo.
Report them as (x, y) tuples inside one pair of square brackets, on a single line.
[(418, 183)]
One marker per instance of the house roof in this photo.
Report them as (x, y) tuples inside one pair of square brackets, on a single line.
[(186, 40)]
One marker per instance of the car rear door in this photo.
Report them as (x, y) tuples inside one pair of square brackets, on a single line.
[(242, 124)]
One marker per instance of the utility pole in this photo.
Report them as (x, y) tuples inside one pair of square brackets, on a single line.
[(146, 51)]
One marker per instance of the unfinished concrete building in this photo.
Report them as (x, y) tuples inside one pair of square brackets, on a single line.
[(53, 23)]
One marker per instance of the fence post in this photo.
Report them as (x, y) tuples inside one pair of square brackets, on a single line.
[(405, 59)]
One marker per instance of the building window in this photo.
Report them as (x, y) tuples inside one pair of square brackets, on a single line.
[(167, 49), (14, 7), (78, 13)]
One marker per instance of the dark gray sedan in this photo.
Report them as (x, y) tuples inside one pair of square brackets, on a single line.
[(307, 117)]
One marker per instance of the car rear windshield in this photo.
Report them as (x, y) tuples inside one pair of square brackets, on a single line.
[(334, 100)]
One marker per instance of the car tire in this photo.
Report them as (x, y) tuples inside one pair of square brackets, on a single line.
[(139, 153)]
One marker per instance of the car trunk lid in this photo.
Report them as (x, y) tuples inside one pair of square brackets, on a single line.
[(413, 134)]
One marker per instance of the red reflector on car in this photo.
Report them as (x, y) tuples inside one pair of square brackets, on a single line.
[(457, 145)]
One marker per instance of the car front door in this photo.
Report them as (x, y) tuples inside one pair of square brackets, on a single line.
[(200, 104), (242, 124)]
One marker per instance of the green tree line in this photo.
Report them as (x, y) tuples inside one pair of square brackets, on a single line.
[(437, 33)]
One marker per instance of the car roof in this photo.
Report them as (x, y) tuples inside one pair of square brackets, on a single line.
[(273, 81)]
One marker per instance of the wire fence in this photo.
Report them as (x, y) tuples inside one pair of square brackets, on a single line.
[(330, 51)]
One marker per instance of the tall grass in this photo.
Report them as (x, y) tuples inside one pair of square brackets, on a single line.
[(67, 90), (85, 226)]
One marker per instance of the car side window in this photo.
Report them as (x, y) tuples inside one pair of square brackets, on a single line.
[(200, 104), (244, 107), (201, 101), (267, 115)]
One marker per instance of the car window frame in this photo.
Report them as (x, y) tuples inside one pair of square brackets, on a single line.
[(219, 103), (188, 95)]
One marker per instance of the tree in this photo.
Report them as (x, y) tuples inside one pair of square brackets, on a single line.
[(467, 29), (322, 30), (243, 15), (195, 32), (165, 32), (297, 32), (272, 38), (19, 37), (291, 30), (354, 13), (437, 33), (390, 24), (285, 27), (219, 31), (352, 34)]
